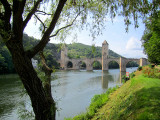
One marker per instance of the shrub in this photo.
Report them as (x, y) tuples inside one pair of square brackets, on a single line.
[(124, 78), (140, 68), (151, 66), (132, 75), (157, 75), (151, 72)]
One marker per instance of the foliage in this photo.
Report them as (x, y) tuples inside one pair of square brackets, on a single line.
[(69, 65), (131, 75), (86, 51), (151, 72), (151, 65), (82, 65), (123, 78), (139, 68), (137, 99), (132, 64), (57, 18), (6, 65), (96, 102), (51, 53), (151, 38), (23, 113), (113, 64), (97, 65)]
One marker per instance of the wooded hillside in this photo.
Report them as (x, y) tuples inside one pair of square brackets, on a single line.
[(79, 50), (52, 53)]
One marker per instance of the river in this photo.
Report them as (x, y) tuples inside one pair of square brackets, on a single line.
[(72, 91)]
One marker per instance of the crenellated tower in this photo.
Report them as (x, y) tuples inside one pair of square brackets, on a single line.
[(105, 52)]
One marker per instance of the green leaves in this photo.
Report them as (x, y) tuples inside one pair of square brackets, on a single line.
[(151, 38)]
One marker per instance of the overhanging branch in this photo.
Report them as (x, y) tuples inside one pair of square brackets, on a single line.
[(31, 13), (45, 39), (42, 12), (66, 26), (7, 14), (40, 22), (45, 66)]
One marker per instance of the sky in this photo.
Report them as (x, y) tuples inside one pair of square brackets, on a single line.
[(126, 44)]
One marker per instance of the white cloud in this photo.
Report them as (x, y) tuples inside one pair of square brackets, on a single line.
[(133, 49), (134, 54), (133, 44)]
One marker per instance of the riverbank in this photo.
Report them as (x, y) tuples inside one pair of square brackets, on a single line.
[(137, 99)]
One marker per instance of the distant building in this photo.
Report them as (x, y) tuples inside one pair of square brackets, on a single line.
[(35, 63)]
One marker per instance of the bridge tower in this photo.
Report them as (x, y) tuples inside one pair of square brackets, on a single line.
[(105, 47), (64, 58)]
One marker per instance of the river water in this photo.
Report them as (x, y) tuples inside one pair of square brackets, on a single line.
[(72, 91)]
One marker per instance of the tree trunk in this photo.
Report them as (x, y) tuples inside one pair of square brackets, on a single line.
[(43, 106), (47, 82)]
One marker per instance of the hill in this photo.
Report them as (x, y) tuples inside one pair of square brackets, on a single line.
[(75, 50), (79, 50), (52, 53)]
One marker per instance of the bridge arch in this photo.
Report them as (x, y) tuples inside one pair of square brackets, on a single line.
[(82, 64), (69, 64), (113, 64), (132, 63), (96, 64), (132, 60)]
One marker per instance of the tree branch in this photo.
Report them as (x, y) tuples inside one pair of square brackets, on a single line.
[(65, 26), (45, 66), (7, 14), (18, 8), (42, 12), (31, 13), (45, 39), (41, 22), (47, 82)]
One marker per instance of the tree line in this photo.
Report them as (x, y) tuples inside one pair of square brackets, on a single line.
[(62, 16), (52, 54)]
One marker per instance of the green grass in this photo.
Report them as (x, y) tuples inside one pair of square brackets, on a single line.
[(137, 99)]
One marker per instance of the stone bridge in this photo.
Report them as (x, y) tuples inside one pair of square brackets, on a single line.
[(104, 61)]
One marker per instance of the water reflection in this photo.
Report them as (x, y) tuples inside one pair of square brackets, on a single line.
[(72, 90), (104, 80), (121, 75), (9, 94)]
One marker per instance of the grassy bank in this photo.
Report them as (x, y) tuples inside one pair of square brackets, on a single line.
[(137, 99)]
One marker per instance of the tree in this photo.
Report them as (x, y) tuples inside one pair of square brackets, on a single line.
[(151, 38), (97, 65), (15, 15)]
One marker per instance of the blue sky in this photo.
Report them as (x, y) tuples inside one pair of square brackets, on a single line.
[(125, 44)]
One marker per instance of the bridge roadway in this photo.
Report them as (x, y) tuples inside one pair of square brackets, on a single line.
[(89, 63)]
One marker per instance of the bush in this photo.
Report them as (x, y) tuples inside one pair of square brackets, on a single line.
[(151, 72), (151, 66), (139, 68), (125, 78), (157, 75), (132, 75)]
